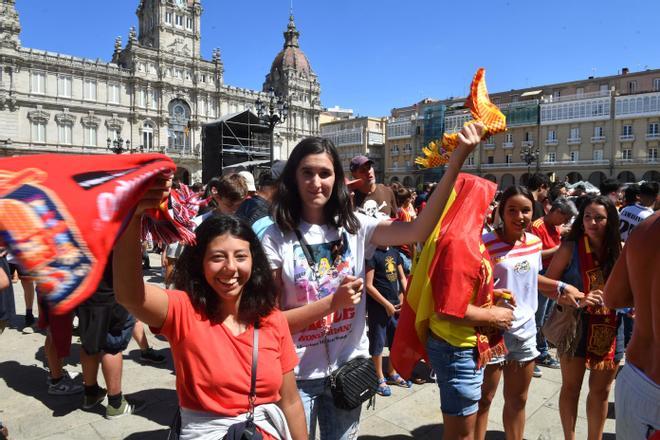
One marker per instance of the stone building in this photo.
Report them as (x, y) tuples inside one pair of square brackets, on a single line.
[(153, 95), (588, 129)]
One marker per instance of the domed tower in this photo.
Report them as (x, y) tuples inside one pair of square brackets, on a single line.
[(293, 79)]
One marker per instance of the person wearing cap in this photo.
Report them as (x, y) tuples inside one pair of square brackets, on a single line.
[(367, 189), (256, 209), (249, 179)]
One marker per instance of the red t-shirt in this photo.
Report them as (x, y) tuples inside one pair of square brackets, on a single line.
[(213, 366), (550, 237)]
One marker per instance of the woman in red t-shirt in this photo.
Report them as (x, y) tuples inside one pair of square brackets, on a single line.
[(225, 287)]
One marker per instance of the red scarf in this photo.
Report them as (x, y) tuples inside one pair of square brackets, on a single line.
[(60, 216), (601, 321)]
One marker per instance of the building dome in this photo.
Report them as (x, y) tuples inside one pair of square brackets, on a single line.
[(291, 57)]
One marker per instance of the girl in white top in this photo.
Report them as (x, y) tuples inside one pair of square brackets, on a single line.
[(323, 303), (516, 258)]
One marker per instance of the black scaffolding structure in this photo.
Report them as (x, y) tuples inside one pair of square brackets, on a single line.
[(238, 141)]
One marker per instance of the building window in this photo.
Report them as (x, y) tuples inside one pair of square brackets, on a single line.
[(656, 84), (508, 138), (552, 157), (65, 133), (632, 86), (653, 129), (626, 154), (575, 133), (579, 92), (64, 86), (598, 154), (142, 98), (153, 99), (90, 136), (627, 130), (113, 93), (603, 89), (38, 131), (147, 136), (114, 133), (490, 160), (652, 154), (598, 132), (178, 20), (168, 17), (89, 89), (470, 160), (509, 158), (189, 23), (552, 135), (575, 156), (38, 83)]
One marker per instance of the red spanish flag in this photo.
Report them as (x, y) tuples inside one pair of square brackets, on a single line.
[(449, 271)]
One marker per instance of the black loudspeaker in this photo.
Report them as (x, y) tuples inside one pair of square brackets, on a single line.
[(211, 152)]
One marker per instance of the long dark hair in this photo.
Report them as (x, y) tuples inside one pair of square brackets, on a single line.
[(259, 294), (612, 240), (287, 207)]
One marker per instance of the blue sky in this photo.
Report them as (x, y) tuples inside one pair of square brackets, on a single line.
[(374, 55)]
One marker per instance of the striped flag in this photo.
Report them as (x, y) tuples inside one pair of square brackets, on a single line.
[(449, 271)]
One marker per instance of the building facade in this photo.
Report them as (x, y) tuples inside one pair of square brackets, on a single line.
[(358, 136), (154, 94), (581, 130)]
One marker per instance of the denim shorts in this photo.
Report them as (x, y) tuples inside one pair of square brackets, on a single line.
[(517, 350), (457, 375)]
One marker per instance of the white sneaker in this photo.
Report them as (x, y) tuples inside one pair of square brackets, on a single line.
[(64, 387)]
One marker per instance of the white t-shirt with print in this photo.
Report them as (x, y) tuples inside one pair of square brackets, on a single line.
[(517, 268), (344, 332), (631, 216)]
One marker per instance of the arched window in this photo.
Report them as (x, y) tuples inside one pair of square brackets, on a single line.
[(179, 126)]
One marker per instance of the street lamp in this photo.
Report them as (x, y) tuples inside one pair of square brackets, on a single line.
[(117, 145), (272, 112), (529, 154)]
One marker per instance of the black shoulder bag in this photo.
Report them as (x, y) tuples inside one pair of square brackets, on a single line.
[(247, 430), (354, 382)]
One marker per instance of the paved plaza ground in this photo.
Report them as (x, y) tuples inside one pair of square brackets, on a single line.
[(30, 413)]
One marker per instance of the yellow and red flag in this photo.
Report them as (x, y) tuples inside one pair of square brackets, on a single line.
[(448, 274), (437, 153)]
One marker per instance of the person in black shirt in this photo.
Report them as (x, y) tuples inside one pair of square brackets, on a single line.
[(385, 282), (538, 184)]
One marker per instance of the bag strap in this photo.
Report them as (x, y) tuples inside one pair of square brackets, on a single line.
[(307, 250), (253, 376)]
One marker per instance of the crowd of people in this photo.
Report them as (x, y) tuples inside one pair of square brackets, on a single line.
[(304, 269)]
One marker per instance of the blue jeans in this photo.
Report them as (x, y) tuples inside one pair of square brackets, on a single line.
[(457, 375), (542, 313), (334, 423)]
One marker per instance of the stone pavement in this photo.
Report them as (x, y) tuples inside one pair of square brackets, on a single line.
[(30, 413)]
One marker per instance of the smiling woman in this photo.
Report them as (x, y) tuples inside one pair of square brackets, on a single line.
[(225, 293)]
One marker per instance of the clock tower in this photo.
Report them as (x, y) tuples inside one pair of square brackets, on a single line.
[(171, 26)]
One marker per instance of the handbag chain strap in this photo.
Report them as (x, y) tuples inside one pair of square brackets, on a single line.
[(252, 397)]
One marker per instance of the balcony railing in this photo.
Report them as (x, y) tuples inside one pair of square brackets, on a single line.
[(551, 142), (641, 104), (489, 146), (504, 165), (565, 98), (588, 162), (507, 145), (597, 139), (644, 160), (528, 143), (652, 136), (627, 137), (394, 153), (574, 141)]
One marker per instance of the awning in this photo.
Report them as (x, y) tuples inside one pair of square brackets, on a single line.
[(531, 93), (248, 163)]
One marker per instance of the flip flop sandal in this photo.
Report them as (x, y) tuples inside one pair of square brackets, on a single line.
[(383, 389), (396, 379)]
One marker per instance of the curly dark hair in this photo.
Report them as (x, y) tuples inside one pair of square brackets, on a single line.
[(287, 207), (612, 239), (516, 190), (258, 298)]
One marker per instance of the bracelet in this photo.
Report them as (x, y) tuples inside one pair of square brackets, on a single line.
[(561, 287)]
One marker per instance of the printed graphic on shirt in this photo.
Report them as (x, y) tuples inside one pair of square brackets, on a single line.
[(521, 267), (332, 262), (390, 269)]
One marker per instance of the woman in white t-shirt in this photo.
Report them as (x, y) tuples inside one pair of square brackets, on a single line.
[(317, 249), (516, 258)]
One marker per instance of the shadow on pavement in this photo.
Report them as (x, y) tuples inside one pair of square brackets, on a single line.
[(134, 355), (72, 359), (428, 432), (161, 406), (160, 434), (30, 380)]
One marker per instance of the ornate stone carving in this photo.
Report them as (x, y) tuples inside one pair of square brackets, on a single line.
[(114, 123), (90, 120), (65, 118), (39, 115)]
